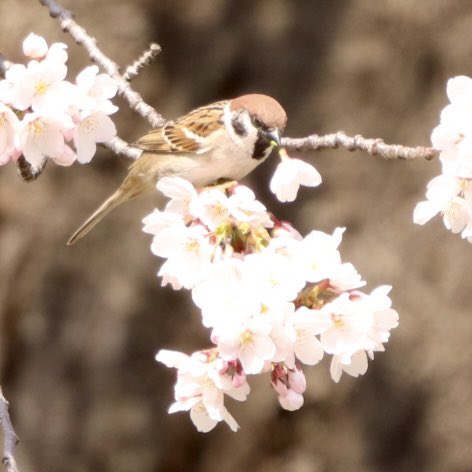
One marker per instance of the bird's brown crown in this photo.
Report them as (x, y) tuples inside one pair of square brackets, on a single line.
[(262, 107)]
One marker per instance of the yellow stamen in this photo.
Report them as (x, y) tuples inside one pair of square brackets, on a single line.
[(37, 127), (246, 338), (191, 246), (89, 124), (337, 321), (41, 88)]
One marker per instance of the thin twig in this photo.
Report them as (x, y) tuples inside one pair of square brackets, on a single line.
[(10, 439), (144, 60), (120, 147), (81, 36), (374, 147)]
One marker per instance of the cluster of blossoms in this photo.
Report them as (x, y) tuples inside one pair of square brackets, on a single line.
[(273, 300), (42, 114), (451, 192)]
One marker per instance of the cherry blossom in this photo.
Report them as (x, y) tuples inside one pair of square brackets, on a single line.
[(306, 324), (273, 300), (9, 126), (289, 175), (59, 120), (449, 194), (251, 344), (95, 128), (96, 90), (41, 137), (289, 384), (202, 382), (451, 197)]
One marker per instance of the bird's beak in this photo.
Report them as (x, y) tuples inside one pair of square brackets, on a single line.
[(274, 136)]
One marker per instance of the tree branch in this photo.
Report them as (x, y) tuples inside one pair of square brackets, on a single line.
[(144, 60), (10, 439), (81, 36), (374, 147), (120, 147)]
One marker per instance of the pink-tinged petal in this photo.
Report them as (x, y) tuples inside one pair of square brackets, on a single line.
[(4, 158), (229, 348), (183, 405), (201, 419), (292, 401), (386, 320), (443, 137), (95, 128), (457, 215), (86, 77), (283, 186), (358, 365), (263, 347), (86, 147), (51, 142), (307, 174), (32, 153), (172, 358), (16, 73), (423, 212), (308, 349), (230, 421), (297, 380), (212, 398), (57, 53), (67, 158), (240, 393), (50, 72), (289, 175), (176, 188), (251, 364), (106, 129), (336, 369)]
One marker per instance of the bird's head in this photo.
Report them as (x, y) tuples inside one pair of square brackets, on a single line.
[(265, 114)]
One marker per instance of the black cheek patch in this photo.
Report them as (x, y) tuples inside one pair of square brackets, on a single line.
[(238, 126), (261, 146)]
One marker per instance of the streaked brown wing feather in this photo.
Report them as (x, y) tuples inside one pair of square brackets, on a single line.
[(187, 133), (155, 140)]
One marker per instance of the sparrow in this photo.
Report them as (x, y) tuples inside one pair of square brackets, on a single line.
[(225, 140)]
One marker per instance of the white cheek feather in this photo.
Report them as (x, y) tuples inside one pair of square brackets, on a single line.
[(230, 155), (240, 141)]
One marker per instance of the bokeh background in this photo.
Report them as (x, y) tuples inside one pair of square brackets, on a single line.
[(80, 325)]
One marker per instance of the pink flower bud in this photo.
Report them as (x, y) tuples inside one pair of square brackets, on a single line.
[(297, 380)]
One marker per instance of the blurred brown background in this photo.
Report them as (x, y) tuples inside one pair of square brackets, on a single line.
[(80, 325)]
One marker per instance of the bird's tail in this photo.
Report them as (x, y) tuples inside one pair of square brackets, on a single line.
[(120, 196)]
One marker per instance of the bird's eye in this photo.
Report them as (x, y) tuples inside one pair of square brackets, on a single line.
[(259, 124)]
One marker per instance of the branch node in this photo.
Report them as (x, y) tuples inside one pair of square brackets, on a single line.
[(145, 59)]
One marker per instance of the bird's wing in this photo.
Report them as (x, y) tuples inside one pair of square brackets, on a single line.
[(187, 134)]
